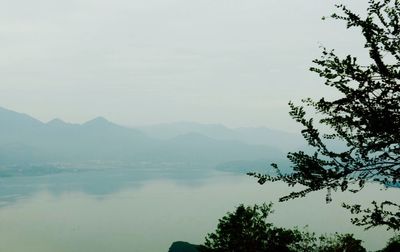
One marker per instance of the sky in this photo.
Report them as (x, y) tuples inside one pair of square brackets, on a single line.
[(236, 63)]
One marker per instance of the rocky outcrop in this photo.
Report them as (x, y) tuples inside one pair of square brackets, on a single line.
[(180, 246)]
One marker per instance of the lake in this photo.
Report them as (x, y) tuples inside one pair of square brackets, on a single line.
[(130, 210)]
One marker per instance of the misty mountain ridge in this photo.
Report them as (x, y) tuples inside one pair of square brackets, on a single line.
[(26, 140), (281, 140)]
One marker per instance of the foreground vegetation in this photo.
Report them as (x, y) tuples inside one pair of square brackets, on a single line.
[(247, 230), (364, 119)]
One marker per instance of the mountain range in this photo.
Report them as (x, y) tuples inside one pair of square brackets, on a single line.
[(281, 140), (26, 140)]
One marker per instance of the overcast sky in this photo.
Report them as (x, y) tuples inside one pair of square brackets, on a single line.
[(152, 61)]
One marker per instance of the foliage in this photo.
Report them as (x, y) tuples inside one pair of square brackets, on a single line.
[(340, 242), (365, 118), (309, 242), (247, 230), (393, 245), (386, 213)]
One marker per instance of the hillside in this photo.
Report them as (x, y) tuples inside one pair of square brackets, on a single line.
[(26, 140)]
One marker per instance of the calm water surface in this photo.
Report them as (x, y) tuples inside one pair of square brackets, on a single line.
[(130, 211)]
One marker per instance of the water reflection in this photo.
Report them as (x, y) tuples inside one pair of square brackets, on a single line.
[(95, 182), (122, 211)]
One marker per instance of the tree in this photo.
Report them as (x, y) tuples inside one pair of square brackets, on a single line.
[(247, 230), (340, 242), (365, 117), (393, 245)]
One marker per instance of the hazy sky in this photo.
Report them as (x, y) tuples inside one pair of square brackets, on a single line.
[(142, 62)]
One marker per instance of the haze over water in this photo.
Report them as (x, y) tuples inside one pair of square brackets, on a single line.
[(50, 214)]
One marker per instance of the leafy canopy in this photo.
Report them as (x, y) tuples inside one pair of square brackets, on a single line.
[(247, 230), (365, 117)]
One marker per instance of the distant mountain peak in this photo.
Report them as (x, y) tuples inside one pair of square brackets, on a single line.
[(16, 118), (6, 110), (99, 121), (56, 121)]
